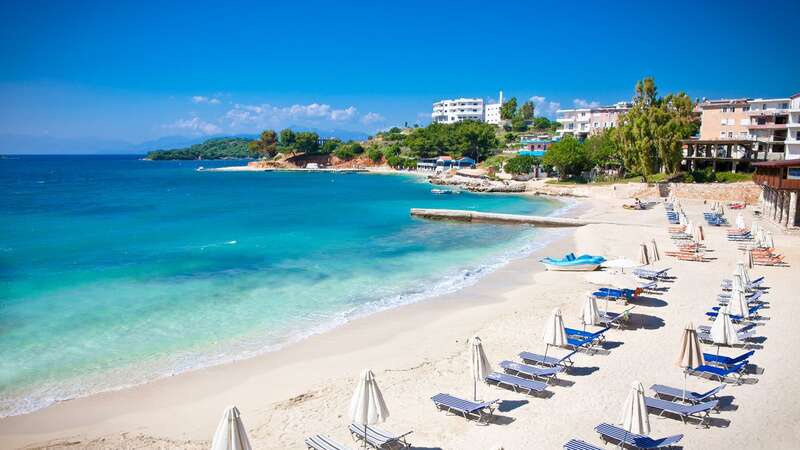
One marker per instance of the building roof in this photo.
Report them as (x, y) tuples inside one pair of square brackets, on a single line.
[(778, 164)]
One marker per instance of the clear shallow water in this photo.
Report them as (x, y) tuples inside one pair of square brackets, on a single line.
[(116, 271)]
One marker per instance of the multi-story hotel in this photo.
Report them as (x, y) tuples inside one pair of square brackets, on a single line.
[(584, 122), (747, 129), (458, 110)]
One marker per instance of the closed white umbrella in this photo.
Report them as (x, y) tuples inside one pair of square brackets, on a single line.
[(367, 406), (742, 271), (479, 363), (748, 258), (590, 315), (656, 256), (634, 418), (644, 258), (230, 434), (691, 354), (554, 333), (722, 331), (740, 222), (737, 305), (768, 242)]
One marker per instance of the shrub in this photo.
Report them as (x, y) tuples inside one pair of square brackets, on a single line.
[(344, 152), (374, 154)]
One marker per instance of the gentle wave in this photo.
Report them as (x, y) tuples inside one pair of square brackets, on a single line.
[(123, 377)]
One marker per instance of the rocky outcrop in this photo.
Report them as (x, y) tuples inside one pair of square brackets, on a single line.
[(477, 184)]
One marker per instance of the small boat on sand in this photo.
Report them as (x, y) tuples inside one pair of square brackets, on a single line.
[(571, 263)]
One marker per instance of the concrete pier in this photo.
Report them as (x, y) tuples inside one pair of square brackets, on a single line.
[(477, 216)]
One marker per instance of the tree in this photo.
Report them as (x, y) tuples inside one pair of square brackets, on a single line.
[(475, 139), (526, 110), (307, 142), (330, 146), (602, 150), (568, 156), (265, 146), (648, 135), (345, 151), (508, 109), (287, 138), (357, 148), (374, 154), (518, 122), (521, 165)]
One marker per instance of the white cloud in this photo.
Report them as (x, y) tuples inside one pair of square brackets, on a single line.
[(195, 125), (543, 107), (266, 115), (583, 103), (371, 118), (204, 99)]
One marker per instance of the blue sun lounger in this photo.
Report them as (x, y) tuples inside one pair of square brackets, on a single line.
[(753, 284), (547, 374), (548, 361), (611, 433), (577, 444), (751, 313), (726, 361), (480, 412), (730, 374), (515, 383), (699, 412), (667, 392), (598, 336), (379, 439), (324, 442), (744, 337)]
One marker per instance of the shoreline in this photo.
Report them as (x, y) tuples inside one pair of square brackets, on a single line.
[(421, 349), (63, 416)]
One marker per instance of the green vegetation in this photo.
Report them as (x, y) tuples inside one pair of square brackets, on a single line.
[(219, 148), (708, 175), (508, 109), (648, 136), (521, 165), (469, 138), (265, 146)]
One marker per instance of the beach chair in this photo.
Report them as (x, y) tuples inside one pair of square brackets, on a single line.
[(598, 336), (699, 412), (615, 434), (323, 442), (577, 343), (744, 337), (547, 374), (667, 392), (378, 439), (730, 374), (548, 361), (515, 383), (577, 444), (749, 327), (480, 412), (612, 319), (651, 274), (727, 361), (752, 313)]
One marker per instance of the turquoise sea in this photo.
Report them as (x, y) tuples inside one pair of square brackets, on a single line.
[(115, 271)]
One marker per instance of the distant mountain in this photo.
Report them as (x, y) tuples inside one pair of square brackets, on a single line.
[(20, 144)]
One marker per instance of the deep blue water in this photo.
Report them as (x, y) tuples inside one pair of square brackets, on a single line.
[(115, 271)]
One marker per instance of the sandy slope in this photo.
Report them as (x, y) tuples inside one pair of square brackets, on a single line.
[(419, 350)]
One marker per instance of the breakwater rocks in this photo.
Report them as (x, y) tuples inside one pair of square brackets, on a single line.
[(479, 184)]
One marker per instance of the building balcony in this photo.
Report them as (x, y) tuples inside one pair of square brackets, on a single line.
[(767, 126)]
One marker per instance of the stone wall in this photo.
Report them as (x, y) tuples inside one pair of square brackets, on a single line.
[(728, 192), (747, 192)]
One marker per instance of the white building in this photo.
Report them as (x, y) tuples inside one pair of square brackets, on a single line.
[(458, 110), (492, 114), (793, 140), (583, 122)]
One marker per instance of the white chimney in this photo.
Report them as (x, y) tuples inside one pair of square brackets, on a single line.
[(501, 97)]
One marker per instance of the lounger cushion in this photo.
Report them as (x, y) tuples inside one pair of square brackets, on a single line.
[(517, 382), (324, 442), (637, 440), (576, 444)]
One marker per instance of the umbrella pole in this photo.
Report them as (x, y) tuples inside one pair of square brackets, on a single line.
[(475, 390), (365, 435), (685, 372), (547, 346)]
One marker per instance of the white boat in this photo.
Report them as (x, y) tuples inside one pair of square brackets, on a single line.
[(200, 169), (443, 191), (572, 268)]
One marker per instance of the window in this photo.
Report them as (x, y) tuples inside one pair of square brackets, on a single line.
[(724, 109), (743, 122), (730, 134), (724, 122), (745, 108), (763, 106), (733, 109), (797, 136), (722, 134), (784, 106)]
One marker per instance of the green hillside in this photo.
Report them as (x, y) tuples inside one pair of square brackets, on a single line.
[(218, 148)]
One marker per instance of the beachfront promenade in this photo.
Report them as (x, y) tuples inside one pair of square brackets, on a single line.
[(420, 350)]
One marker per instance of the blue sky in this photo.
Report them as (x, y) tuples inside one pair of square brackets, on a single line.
[(141, 70)]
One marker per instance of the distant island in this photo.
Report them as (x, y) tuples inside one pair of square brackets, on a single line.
[(217, 148)]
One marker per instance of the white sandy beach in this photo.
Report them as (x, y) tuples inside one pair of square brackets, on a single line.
[(419, 350)]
